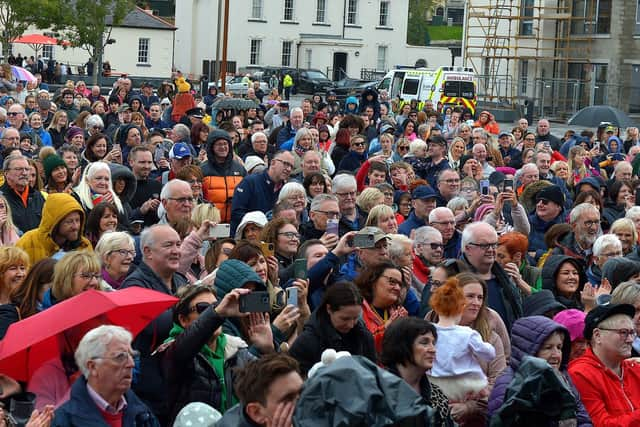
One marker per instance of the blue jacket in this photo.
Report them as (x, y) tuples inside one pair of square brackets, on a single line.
[(286, 135), (45, 137), (352, 161), (253, 193), (538, 230), (453, 248), (81, 411), (527, 336), (412, 222)]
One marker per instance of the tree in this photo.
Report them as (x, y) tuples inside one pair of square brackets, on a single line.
[(17, 15), (417, 32), (88, 23)]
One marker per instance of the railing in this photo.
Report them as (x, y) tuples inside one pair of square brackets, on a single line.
[(371, 74)]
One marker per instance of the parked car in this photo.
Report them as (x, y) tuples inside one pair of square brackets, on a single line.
[(238, 87), (351, 87), (304, 80)]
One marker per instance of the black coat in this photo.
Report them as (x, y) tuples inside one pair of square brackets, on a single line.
[(319, 334), (25, 218), (189, 375)]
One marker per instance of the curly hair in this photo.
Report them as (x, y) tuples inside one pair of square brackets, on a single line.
[(448, 300)]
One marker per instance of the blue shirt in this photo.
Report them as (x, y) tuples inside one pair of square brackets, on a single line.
[(495, 297)]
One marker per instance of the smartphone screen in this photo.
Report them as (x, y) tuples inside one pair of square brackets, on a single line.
[(300, 268), (292, 296), (332, 226)]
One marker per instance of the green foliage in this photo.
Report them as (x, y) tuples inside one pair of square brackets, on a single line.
[(443, 32), (17, 15), (417, 33)]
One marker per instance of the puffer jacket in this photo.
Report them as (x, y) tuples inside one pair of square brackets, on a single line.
[(550, 272), (190, 376), (221, 179), (27, 217), (39, 243), (612, 401), (527, 336)]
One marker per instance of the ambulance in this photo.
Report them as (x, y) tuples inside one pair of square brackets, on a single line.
[(451, 86)]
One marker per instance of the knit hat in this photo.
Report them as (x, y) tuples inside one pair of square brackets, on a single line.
[(234, 274), (552, 193), (573, 320), (540, 303), (618, 270), (482, 211), (496, 178), (72, 132), (197, 414), (50, 163), (252, 162)]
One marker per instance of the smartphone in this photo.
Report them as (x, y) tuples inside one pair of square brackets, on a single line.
[(596, 145), (292, 296), (332, 226), (484, 187), (300, 268), (220, 231), (364, 241), (267, 249), (508, 184), (255, 302)]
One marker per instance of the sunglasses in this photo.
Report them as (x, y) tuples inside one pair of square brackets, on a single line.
[(199, 307), (358, 144), (403, 148)]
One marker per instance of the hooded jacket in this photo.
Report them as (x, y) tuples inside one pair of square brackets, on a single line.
[(374, 103), (39, 243), (130, 185), (351, 105), (221, 179), (527, 336), (550, 272), (254, 217), (491, 126)]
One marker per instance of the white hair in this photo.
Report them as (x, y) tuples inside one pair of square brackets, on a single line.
[(423, 233), (633, 213), (257, 134), (112, 241), (343, 180), (433, 215), (606, 241), (320, 199), (182, 131), (457, 203), (167, 190), (83, 190), (469, 232), (289, 189), (148, 238), (95, 342), (94, 120), (397, 243), (416, 145), (582, 208)]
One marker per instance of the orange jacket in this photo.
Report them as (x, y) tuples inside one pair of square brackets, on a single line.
[(219, 191)]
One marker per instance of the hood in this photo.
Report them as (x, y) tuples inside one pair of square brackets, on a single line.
[(591, 180), (529, 333), (491, 117), (123, 172), (233, 274), (123, 131), (550, 271), (616, 139), (369, 91), (214, 136), (351, 100), (255, 217), (618, 270), (136, 97), (56, 207), (528, 196)]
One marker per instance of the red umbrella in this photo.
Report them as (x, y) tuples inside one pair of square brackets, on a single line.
[(32, 341), (36, 39)]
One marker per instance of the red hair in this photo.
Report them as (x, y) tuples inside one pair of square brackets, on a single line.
[(343, 138), (448, 300), (514, 242)]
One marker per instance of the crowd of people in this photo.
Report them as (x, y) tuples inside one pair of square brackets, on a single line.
[(466, 259)]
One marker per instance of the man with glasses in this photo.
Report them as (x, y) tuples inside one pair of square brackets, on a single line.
[(607, 380), (16, 118), (345, 188), (26, 203), (428, 250), (59, 231), (158, 270), (479, 247), (448, 185), (424, 200), (102, 395), (10, 138), (177, 202), (585, 229), (549, 212), (259, 192), (324, 207), (443, 220)]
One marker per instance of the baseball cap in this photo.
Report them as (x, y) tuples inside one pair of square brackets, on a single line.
[(603, 312), (179, 151), (424, 192), (504, 134), (378, 234), (124, 107)]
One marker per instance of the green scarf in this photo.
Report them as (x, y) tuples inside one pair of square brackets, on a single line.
[(216, 360)]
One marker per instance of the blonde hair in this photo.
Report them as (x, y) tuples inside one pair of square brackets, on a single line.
[(112, 241), (377, 212), (8, 225), (624, 224), (204, 211), (367, 199), (11, 256), (65, 270), (573, 152), (83, 190)]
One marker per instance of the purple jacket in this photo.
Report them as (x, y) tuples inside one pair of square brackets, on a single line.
[(527, 336)]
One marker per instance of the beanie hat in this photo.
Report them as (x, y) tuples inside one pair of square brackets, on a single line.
[(73, 132), (552, 193), (482, 211), (573, 320), (618, 270), (448, 300), (540, 303), (233, 274), (50, 163)]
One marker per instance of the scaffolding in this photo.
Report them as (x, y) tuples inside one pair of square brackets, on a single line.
[(522, 51)]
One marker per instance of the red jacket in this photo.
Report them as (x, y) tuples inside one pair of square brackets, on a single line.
[(609, 401), (376, 324), (420, 270)]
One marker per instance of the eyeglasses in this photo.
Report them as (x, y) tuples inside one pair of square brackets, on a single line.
[(612, 254), (88, 276), (199, 308), (403, 148), (435, 246), (194, 182), (13, 114), (284, 163), (331, 215), (467, 190), (182, 200), (97, 128), (434, 284), (485, 246), (591, 223), (124, 252), (623, 333), (122, 357), (290, 235), (393, 281), (348, 194), (358, 144), (227, 251), (444, 222)]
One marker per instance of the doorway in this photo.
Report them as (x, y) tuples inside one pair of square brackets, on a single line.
[(339, 66)]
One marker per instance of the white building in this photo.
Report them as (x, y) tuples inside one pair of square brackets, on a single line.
[(325, 34), (143, 47)]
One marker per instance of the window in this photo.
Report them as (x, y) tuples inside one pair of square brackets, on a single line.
[(352, 12), (254, 52), (47, 51), (288, 10), (321, 7), (286, 53), (595, 17), (637, 31), (143, 51), (526, 26), (382, 58), (256, 9), (307, 58), (524, 74), (384, 14)]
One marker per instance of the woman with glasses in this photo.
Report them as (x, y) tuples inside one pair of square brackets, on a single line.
[(381, 288), (284, 236), (94, 125), (116, 252), (76, 272), (193, 175), (402, 147), (565, 277), (357, 154), (102, 219), (199, 356), (295, 195)]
